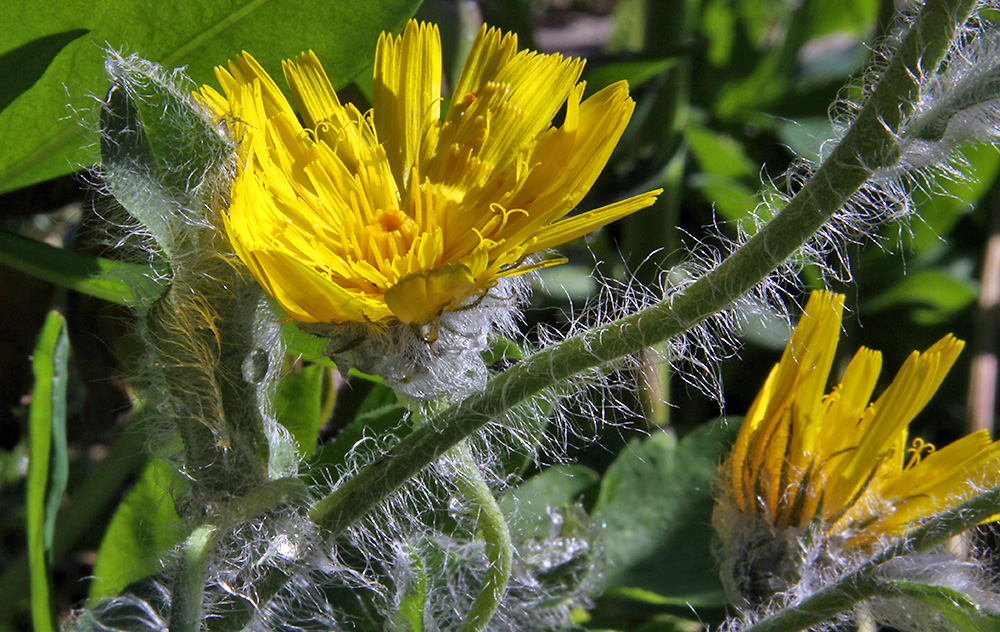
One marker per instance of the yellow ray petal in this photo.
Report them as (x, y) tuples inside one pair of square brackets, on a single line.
[(579, 225), (406, 100)]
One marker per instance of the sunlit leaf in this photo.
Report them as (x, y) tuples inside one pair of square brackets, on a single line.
[(110, 280), (25, 65)]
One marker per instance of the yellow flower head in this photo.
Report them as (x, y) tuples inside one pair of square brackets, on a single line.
[(399, 214), (835, 465), (803, 458)]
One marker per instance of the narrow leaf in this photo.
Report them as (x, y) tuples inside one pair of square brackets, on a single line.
[(113, 281), (47, 465)]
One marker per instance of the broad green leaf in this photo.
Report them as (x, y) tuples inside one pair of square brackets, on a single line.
[(142, 531), (47, 465), (41, 131), (656, 503), (956, 610), (300, 404), (114, 281), (24, 66)]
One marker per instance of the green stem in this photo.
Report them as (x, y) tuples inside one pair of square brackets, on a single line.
[(199, 548), (870, 144), (493, 526), (187, 605)]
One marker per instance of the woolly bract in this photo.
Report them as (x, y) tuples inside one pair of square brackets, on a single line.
[(396, 214), (837, 463)]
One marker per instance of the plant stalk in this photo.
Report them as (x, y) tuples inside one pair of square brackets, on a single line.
[(492, 526)]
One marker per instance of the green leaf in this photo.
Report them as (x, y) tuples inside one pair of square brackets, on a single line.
[(25, 65), (305, 345), (409, 617), (956, 198), (669, 623), (854, 17), (528, 505), (41, 131), (144, 528), (115, 281), (161, 155), (656, 503), (944, 605), (940, 293), (628, 22), (731, 198), (47, 465), (569, 282), (299, 405), (719, 154), (805, 136)]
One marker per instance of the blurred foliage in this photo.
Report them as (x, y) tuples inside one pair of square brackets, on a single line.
[(727, 92)]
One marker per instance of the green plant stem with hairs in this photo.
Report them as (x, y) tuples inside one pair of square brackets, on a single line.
[(187, 610), (492, 526)]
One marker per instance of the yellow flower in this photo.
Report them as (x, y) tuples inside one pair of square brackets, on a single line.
[(837, 463), (398, 214)]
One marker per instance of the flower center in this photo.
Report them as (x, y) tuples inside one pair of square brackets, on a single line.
[(391, 221)]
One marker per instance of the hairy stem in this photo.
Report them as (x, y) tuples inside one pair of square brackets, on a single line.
[(187, 608), (869, 145), (493, 527)]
